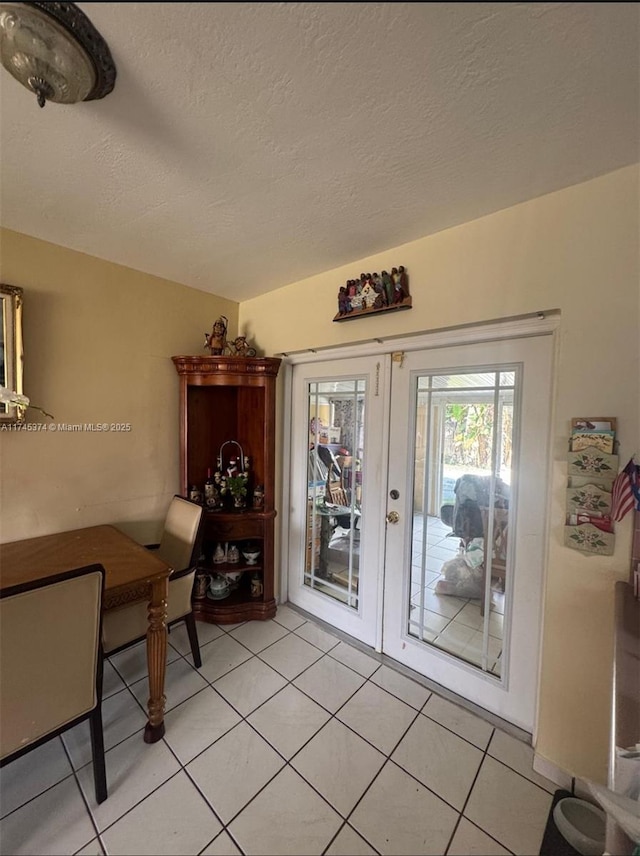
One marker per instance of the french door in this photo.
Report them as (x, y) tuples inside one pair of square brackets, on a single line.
[(338, 476), (464, 561), (418, 498)]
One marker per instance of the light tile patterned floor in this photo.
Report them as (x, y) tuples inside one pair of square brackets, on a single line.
[(451, 623), (287, 741)]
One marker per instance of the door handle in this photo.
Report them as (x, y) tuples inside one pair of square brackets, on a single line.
[(393, 517)]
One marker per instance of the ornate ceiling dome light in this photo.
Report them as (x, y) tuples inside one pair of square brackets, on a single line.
[(54, 50)]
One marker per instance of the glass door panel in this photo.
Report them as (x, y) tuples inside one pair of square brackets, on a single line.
[(339, 432), (467, 502), (461, 490), (336, 419)]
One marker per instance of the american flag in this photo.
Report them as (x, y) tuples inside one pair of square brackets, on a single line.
[(625, 493)]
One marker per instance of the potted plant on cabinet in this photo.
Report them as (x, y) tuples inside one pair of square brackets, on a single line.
[(236, 487)]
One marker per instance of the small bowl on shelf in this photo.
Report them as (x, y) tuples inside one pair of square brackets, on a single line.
[(234, 578), (251, 556)]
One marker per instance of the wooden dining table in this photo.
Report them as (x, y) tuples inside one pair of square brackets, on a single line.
[(132, 573)]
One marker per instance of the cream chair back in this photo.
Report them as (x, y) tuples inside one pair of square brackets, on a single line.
[(126, 624), (50, 657), (180, 533)]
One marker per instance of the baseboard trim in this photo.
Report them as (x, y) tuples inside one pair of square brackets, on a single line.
[(551, 771)]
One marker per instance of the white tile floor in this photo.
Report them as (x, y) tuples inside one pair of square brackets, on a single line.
[(287, 741), (451, 623)]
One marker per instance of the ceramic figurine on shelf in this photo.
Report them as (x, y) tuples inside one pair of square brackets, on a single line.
[(233, 556), (219, 555), (376, 281), (344, 301), (387, 284), (256, 585), (201, 584), (400, 284), (370, 299), (258, 497), (397, 287), (404, 280), (211, 496), (216, 340), (195, 494), (240, 348)]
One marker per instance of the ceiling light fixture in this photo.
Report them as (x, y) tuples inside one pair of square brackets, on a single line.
[(54, 50)]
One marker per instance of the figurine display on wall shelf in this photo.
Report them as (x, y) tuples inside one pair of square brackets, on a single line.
[(216, 341), (373, 293)]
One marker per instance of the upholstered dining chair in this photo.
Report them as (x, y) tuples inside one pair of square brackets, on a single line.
[(51, 664), (124, 625)]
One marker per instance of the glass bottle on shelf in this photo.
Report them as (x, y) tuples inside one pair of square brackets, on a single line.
[(210, 491), (256, 585)]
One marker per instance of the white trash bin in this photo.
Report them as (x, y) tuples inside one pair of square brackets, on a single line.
[(581, 824)]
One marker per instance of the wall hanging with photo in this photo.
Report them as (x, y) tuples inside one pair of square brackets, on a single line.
[(592, 468)]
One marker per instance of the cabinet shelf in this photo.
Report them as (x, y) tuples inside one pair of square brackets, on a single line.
[(235, 608), (231, 399), (228, 567)]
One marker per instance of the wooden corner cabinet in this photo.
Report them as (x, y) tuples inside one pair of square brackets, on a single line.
[(229, 403)]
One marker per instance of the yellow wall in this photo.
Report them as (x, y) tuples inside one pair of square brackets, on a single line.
[(576, 251), (98, 339), (98, 342)]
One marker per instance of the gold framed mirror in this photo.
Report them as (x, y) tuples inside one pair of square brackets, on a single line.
[(11, 354)]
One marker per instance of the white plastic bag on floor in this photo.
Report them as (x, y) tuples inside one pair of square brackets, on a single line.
[(460, 579), (474, 554)]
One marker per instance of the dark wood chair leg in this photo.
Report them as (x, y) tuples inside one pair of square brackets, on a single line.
[(97, 749), (190, 621)]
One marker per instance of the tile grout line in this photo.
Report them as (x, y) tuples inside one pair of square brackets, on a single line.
[(485, 754), (290, 681), (333, 715), (244, 718), (83, 797), (287, 762), (384, 764)]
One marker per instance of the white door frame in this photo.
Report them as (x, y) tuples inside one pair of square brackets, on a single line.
[(511, 694), (364, 622), (540, 324)]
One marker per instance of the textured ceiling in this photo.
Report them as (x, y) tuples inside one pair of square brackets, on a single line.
[(249, 145)]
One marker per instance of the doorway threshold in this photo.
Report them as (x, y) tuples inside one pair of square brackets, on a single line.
[(441, 691)]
